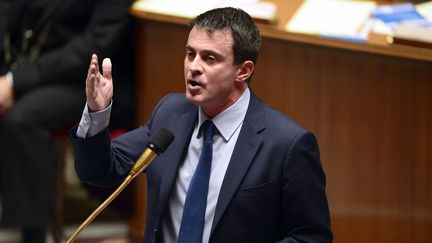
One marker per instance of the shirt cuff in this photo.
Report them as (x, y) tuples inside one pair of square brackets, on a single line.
[(92, 123)]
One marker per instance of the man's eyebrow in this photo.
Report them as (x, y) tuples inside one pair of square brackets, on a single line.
[(205, 51)]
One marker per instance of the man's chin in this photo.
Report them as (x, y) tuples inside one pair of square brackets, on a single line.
[(194, 99)]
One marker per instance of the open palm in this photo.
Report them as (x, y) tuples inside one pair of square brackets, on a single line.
[(99, 86)]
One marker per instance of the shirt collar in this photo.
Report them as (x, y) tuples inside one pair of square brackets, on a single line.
[(229, 120)]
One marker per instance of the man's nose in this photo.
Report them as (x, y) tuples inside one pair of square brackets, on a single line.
[(196, 65)]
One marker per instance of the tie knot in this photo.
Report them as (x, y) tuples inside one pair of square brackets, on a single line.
[(207, 130)]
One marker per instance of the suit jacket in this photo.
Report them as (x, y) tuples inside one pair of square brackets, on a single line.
[(75, 29), (273, 189)]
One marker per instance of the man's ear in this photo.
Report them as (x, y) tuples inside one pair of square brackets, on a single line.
[(245, 71)]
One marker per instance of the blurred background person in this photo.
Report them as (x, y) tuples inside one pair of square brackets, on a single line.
[(45, 45)]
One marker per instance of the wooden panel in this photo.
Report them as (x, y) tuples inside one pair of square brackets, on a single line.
[(160, 50), (372, 116), (159, 57), (371, 113)]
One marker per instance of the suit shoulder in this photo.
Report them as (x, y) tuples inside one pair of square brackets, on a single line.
[(173, 101), (171, 106), (281, 124)]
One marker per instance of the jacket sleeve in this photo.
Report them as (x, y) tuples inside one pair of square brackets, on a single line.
[(305, 207), (101, 161)]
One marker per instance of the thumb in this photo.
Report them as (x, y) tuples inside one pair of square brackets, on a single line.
[(106, 68)]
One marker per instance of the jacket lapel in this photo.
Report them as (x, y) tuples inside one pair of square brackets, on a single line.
[(17, 8), (244, 152), (183, 128), (49, 12)]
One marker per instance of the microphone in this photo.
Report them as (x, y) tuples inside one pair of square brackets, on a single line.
[(156, 145)]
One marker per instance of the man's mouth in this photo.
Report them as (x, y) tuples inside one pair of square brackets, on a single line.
[(194, 83)]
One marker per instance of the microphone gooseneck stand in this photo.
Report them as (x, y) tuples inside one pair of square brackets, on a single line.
[(157, 144)]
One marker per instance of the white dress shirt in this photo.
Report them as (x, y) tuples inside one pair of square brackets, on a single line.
[(92, 123), (228, 124)]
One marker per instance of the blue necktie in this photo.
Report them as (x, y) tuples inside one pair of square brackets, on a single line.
[(192, 223)]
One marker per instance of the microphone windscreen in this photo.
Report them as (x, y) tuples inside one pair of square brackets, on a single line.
[(161, 140)]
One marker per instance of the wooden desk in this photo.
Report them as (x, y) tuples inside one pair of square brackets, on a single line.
[(369, 105)]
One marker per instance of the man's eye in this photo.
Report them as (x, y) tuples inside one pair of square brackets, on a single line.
[(190, 55), (211, 59)]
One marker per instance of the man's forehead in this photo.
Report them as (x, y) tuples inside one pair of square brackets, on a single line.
[(226, 32), (217, 38)]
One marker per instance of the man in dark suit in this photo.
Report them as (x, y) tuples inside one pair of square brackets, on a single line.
[(45, 45), (266, 181)]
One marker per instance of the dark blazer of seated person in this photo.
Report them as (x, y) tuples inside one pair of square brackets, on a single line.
[(45, 46)]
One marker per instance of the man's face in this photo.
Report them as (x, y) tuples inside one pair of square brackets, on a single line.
[(212, 78)]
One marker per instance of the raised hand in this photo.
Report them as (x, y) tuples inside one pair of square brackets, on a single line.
[(6, 94), (99, 86)]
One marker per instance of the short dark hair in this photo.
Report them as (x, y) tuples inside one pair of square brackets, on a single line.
[(246, 36)]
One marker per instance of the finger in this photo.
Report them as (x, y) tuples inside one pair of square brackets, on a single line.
[(90, 85), (106, 68), (91, 72), (95, 62), (93, 65), (94, 78), (97, 82)]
